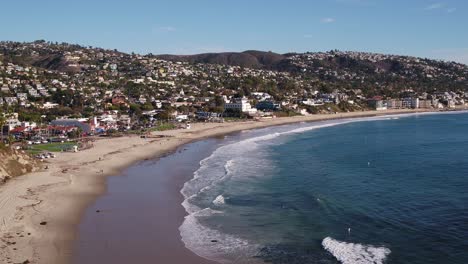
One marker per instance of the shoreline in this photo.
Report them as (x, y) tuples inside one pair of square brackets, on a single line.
[(40, 212)]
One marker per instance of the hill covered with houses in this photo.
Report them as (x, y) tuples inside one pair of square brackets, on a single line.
[(42, 82)]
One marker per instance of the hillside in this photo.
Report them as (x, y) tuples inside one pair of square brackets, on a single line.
[(248, 59), (387, 74), (83, 80)]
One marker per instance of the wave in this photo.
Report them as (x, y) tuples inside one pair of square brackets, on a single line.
[(220, 166), (219, 200), (351, 253), (212, 244), (245, 158), (227, 167)]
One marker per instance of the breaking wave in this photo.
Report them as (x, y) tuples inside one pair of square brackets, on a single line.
[(212, 244), (247, 158), (351, 253), (219, 200)]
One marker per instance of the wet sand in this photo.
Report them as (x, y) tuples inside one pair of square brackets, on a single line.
[(137, 220)]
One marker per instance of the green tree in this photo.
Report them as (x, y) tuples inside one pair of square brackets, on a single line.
[(147, 107), (135, 110), (75, 133), (219, 101)]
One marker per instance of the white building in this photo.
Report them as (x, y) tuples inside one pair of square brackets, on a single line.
[(241, 105), (49, 105), (11, 121), (410, 103), (180, 118), (262, 96), (312, 102)]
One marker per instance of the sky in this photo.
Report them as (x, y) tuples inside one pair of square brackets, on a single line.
[(423, 28)]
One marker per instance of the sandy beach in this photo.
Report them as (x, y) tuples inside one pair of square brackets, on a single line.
[(40, 212)]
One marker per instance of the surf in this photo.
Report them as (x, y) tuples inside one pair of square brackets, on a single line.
[(354, 253)]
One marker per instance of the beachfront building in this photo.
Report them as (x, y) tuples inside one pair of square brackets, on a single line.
[(377, 103), (240, 105), (268, 106), (425, 104), (394, 104), (201, 115), (85, 127), (410, 102)]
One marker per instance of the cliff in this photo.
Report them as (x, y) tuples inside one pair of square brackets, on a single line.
[(14, 163)]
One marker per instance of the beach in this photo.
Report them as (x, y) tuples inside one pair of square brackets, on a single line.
[(40, 211)]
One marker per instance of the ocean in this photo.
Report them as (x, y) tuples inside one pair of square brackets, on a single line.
[(371, 190)]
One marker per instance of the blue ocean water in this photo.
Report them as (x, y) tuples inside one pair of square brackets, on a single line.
[(375, 190)]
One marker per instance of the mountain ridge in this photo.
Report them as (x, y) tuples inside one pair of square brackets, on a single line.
[(248, 59), (373, 73)]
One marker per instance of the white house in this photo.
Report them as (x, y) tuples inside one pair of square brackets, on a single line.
[(49, 105), (241, 105)]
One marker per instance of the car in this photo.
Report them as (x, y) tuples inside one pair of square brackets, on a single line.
[(37, 142), (45, 141)]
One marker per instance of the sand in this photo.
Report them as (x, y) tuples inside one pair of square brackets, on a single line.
[(39, 212), (137, 219)]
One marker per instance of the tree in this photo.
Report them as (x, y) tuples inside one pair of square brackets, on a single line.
[(147, 107), (75, 133), (135, 110), (2, 123), (219, 101), (166, 114)]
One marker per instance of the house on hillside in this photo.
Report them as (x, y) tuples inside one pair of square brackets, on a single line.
[(119, 100)]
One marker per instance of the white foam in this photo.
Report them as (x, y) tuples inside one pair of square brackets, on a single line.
[(219, 200), (212, 244), (220, 167), (351, 253), (227, 167)]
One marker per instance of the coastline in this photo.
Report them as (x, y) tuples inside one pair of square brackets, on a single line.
[(40, 211)]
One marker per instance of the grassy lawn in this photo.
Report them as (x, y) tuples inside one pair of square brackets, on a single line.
[(50, 147), (164, 126), (235, 119)]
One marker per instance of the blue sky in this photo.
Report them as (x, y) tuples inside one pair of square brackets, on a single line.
[(435, 29)]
